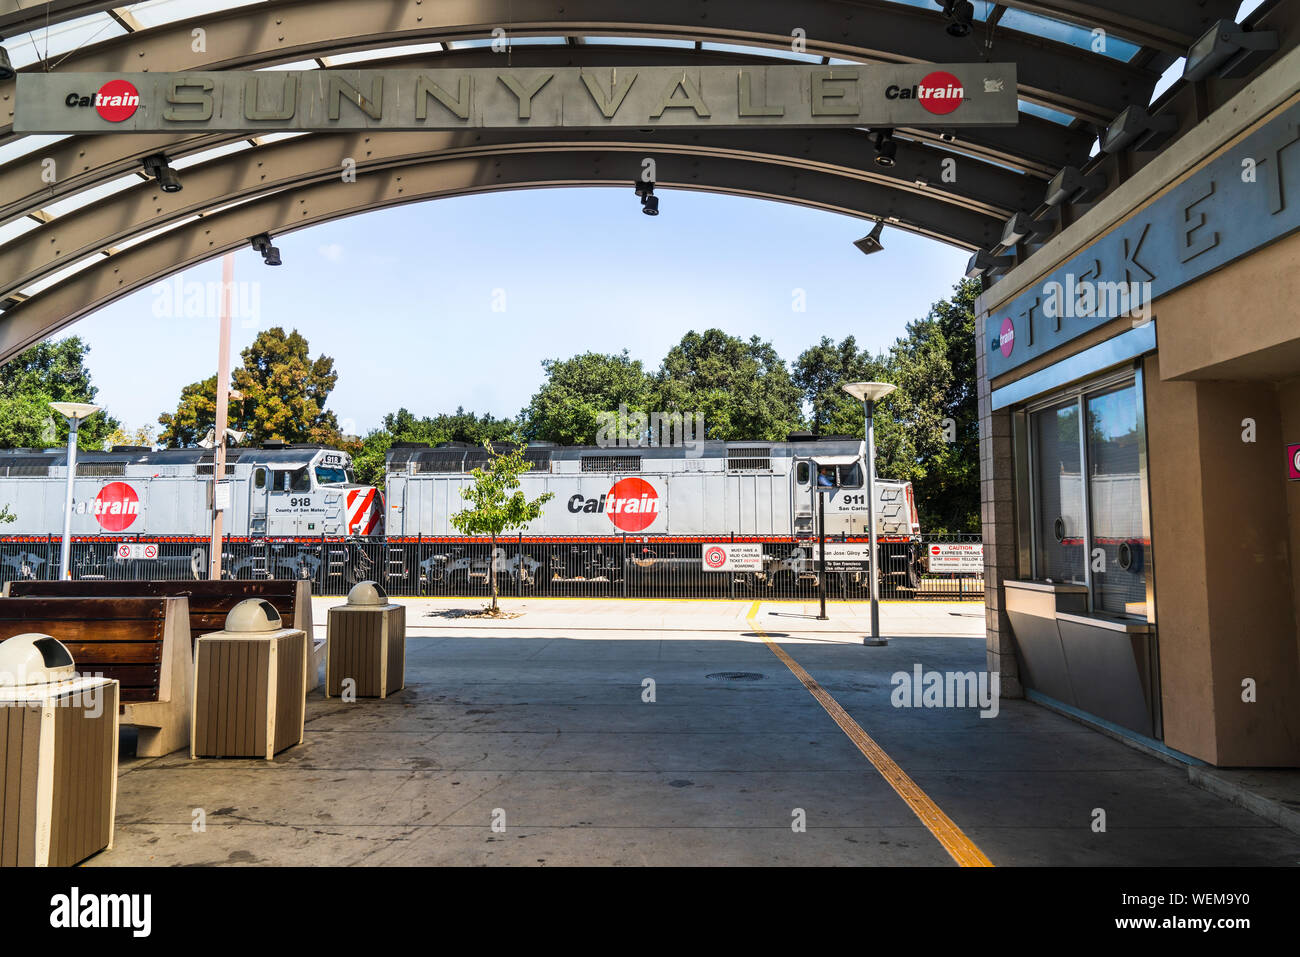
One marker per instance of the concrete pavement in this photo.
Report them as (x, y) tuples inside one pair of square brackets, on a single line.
[(540, 726)]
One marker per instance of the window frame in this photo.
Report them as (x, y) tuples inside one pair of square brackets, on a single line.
[(1079, 392)]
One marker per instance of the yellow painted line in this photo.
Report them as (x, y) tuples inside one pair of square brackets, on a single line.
[(960, 847)]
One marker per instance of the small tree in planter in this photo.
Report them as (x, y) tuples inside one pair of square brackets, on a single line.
[(497, 505)]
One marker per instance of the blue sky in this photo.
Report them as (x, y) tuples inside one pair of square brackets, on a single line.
[(402, 299)]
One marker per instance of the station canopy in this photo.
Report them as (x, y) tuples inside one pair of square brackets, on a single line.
[(84, 221)]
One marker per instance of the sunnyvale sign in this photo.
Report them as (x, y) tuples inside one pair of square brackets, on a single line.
[(802, 95)]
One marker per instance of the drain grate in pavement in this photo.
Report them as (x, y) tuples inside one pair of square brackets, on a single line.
[(736, 676)]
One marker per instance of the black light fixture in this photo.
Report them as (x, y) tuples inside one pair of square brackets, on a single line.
[(1022, 226), (886, 149), (1070, 185), (959, 13), (984, 262), (649, 201), (1228, 50), (7, 71), (1137, 128), (156, 166), (870, 243), (270, 254)]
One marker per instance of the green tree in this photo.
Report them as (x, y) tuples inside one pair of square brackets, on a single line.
[(567, 408), (44, 373), (497, 504), (742, 388), (403, 426), (284, 394), (6, 516), (820, 373)]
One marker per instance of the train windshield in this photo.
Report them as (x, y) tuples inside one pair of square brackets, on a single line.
[(330, 475)]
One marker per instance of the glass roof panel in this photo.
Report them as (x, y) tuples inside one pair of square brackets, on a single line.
[(145, 237), (28, 144), (61, 275), (1073, 34), (61, 39), (296, 65), (642, 42), (153, 13), (1045, 112), (16, 228), (94, 193), (786, 54), (357, 56), (194, 159)]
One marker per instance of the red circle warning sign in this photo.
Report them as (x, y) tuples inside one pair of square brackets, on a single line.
[(715, 557), (116, 506), (940, 93), (117, 100), (632, 504)]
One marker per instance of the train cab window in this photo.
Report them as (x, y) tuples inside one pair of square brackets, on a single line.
[(825, 476), (330, 475), (259, 478), (850, 476), (801, 473), (299, 480)]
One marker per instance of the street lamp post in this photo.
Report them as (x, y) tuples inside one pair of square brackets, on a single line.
[(75, 412), (869, 393)]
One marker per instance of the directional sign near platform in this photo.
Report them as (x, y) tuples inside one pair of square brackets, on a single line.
[(800, 95)]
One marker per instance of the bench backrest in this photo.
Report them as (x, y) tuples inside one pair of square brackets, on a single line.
[(209, 601), (120, 638)]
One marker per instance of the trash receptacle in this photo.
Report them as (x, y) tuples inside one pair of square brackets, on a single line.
[(58, 756), (366, 643), (249, 684)]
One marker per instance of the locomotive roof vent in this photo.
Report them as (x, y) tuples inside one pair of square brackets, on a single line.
[(252, 615), (409, 445), (367, 593), (275, 444), (801, 437)]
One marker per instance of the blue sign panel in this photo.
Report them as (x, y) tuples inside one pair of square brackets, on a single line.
[(1244, 199)]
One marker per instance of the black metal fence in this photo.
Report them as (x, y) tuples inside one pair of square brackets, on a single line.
[(630, 567)]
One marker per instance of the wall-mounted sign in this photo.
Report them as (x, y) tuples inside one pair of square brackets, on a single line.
[(732, 557), (1222, 212), (1293, 462), (883, 95), (136, 552)]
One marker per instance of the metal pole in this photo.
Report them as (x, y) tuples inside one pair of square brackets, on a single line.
[(65, 553), (870, 407), (821, 558), (223, 404)]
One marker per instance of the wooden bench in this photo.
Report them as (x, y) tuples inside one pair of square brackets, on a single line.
[(209, 602), (142, 642)]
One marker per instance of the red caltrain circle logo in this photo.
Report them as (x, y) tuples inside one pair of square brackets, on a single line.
[(940, 93), (632, 504), (116, 507), (117, 100), (1007, 338), (715, 557)]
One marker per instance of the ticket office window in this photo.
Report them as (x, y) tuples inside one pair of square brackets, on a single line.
[(1089, 518)]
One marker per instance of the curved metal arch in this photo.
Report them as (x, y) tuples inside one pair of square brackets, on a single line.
[(64, 240), (1165, 24), (288, 210), (82, 162), (1055, 74)]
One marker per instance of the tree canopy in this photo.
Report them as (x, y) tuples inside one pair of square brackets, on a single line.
[(284, 394), (567, 407), (44, 373), (403, 426)]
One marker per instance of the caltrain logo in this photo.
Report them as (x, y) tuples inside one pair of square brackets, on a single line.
[(940, 93), (116, 507), (632, 504), (116, 100), (715, 557)]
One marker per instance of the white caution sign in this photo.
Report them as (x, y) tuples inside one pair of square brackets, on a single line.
[(732, 557), (137, 552), (956, 557)]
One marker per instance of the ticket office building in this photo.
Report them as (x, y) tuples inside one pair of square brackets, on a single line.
[(1140, 458)]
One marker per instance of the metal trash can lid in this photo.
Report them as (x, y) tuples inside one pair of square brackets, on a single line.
[(367, 593), (34, 659), (253, 615)]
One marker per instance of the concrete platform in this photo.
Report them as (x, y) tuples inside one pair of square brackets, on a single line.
[(540, 722)]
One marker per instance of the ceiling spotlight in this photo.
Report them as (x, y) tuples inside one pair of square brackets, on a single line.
[(871, 243), (1071, 186), (649, 201), (156, 166), (1022, 226), (983, 261), (960, 13), (1137, 128), (886, 149), (7, 71), (1228, 50), (270, 254), (947, 136)]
